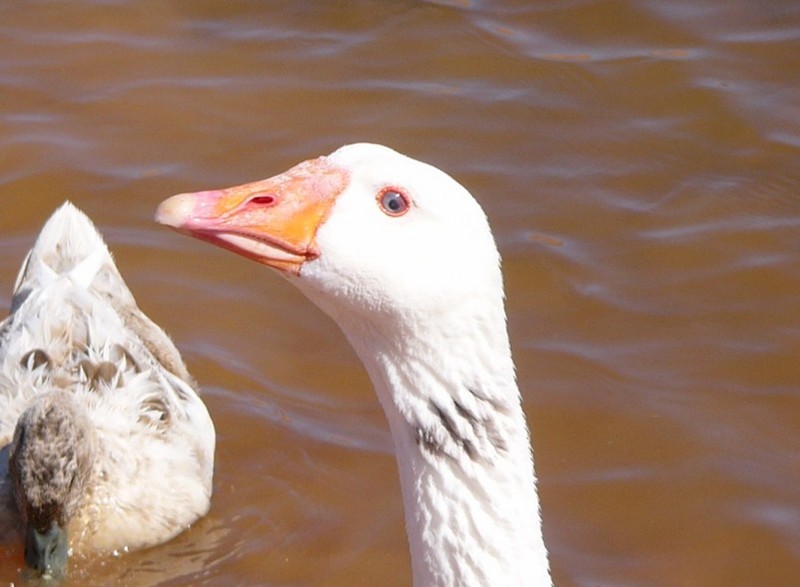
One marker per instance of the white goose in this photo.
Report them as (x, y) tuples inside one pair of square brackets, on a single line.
[(402, 257), (109, 446)]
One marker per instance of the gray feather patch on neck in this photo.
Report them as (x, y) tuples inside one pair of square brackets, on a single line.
[(457, 430)]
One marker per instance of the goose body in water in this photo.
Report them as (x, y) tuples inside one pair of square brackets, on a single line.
[(108, 445), (401, 256)]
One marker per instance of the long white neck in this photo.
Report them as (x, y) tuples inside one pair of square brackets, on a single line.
[(466, 468)]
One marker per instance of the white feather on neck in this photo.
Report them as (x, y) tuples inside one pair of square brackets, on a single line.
[(448, 390)]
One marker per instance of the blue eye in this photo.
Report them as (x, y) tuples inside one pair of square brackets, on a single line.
[(393, 202)]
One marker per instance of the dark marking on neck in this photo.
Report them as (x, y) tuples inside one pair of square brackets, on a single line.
[(452, 430), (428, 442), (458, 430), (481, 397), (490, 424)]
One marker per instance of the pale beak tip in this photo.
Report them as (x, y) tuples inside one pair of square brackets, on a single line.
[(176, 211)]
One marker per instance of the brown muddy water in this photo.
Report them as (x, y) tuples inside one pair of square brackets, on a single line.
[(640, 165)]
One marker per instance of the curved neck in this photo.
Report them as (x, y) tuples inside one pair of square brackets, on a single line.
[(463, 450)]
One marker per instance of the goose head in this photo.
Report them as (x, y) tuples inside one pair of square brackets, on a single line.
[(364, 231), (50, 460)]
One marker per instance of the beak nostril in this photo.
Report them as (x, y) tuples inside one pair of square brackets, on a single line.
[(263, 200)]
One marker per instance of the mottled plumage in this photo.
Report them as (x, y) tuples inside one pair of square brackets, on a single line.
[(105, 433)]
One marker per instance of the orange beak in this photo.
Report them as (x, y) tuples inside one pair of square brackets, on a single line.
[(273, 221)]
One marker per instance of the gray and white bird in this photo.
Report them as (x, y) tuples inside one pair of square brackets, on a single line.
[(109, 446)]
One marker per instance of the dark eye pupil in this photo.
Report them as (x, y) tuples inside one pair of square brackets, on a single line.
[(393, 201)]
